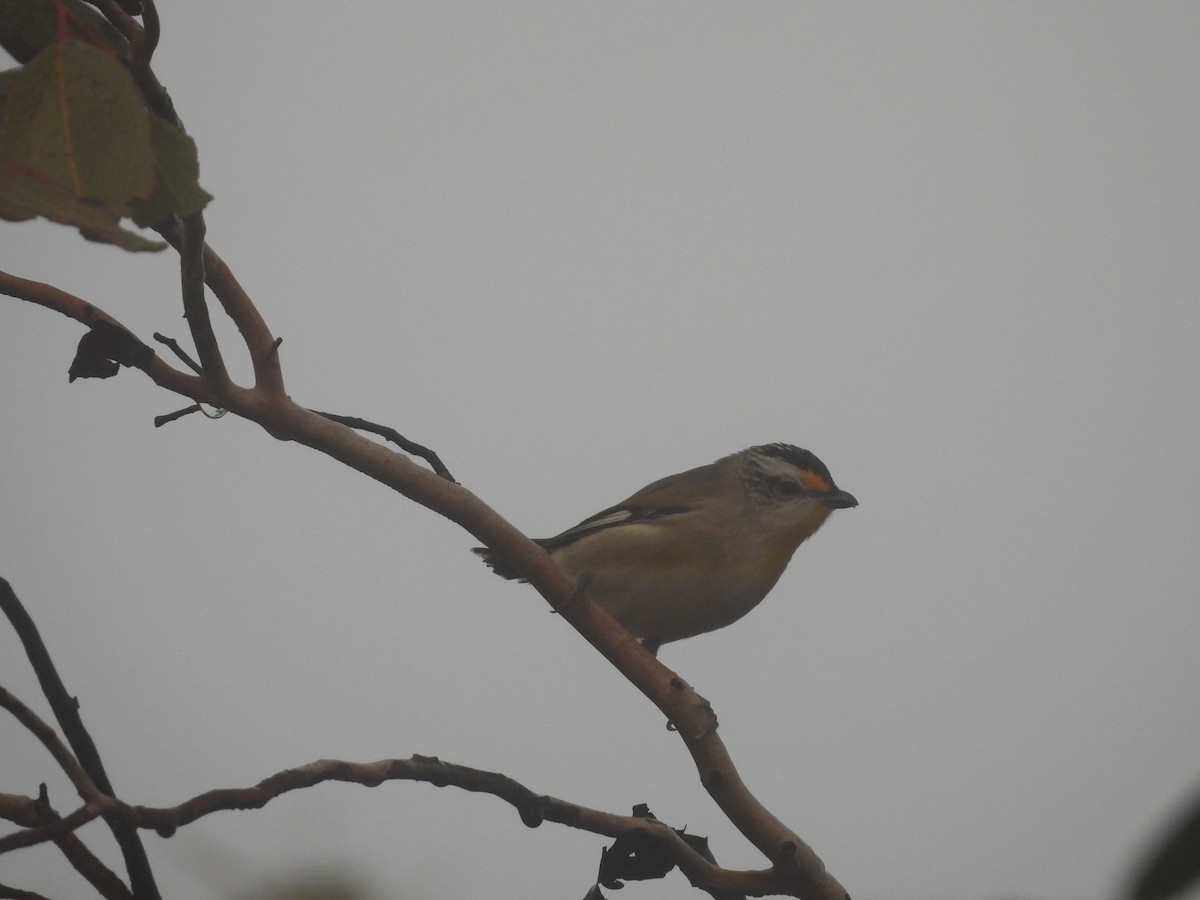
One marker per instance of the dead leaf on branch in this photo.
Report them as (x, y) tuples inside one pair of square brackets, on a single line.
[(104, 349)]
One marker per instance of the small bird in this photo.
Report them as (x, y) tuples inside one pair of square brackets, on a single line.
[(696, 551)]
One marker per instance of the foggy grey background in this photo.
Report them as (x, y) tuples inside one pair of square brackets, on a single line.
[(950, 248)]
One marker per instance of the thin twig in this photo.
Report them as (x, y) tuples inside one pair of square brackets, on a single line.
[(160, 421), (195, 308), (165, 418), (395, 437), (179, 351)]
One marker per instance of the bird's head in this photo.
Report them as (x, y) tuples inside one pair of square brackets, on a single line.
[(791, 490)]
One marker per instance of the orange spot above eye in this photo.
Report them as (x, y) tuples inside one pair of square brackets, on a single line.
[(812, 481)]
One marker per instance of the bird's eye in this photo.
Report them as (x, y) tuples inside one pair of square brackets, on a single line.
[(787, 489)]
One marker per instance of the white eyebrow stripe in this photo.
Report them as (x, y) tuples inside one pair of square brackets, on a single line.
[(613, 517)]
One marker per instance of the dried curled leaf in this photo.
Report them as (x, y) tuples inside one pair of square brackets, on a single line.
[(104, 349)]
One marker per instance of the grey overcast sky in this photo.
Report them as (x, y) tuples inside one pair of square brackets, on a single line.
[(951, 248)]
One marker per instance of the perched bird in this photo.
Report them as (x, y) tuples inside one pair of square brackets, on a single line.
[(696, 551)]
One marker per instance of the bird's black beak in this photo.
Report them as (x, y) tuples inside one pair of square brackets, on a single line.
[(839, 500)]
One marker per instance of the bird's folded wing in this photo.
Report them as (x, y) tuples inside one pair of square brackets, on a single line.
[(613, 517), (670, 496)]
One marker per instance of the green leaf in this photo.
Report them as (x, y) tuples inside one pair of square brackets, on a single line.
[(74, 116), (23, 196), (177, 187), (78, 146)]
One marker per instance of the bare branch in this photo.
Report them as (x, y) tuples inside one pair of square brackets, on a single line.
[(32, 812), (689, 713), (51, 831), (199, 264), (195, 308), (532, 808), (86, 755), (81, 311), (269, 406), (64, 706), (794, 860), (260, 343), (12, 893)]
